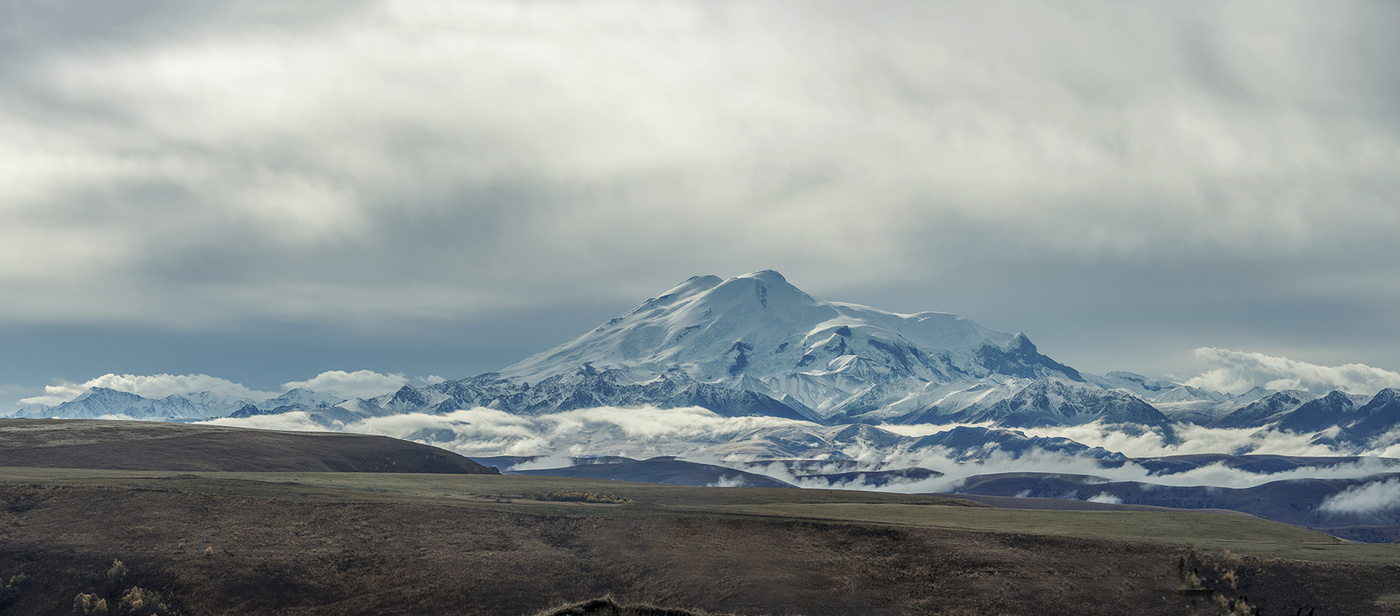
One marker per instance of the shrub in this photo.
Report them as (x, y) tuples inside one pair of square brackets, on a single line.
[(117, 571), (143, 602), (89, 603), (585, 497), (1238, 606), (9, 593)]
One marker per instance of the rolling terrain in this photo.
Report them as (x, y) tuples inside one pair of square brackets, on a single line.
[(133, 445), (383, 543), (179, 541)]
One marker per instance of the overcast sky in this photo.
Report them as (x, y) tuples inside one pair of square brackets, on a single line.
[(265, 191)]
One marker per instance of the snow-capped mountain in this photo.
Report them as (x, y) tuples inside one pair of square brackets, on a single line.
[(1376, 421), (100, 402), (299, 397), (1180, 403), (1332, 409), (1053, 402), (1133, 383), (586, 387), (1264, 411), (828, 361)]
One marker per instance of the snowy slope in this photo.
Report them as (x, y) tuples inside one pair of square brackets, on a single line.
[(1055, 402), (831, 360), (100, 402)]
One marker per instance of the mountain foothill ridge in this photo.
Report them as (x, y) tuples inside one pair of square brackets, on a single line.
[(756, 345)]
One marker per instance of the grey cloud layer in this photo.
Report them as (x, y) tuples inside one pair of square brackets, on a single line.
[(190, 166)]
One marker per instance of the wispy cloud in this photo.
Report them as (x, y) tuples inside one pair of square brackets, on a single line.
[(358, 384), (1238, 371), (1104, 497), (298, 421), (1367, 499)]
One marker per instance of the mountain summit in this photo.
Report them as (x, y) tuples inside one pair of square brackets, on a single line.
[(761, 326), (759, 333)]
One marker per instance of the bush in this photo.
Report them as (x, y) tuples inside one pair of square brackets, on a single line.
[(142, 602), (584, 497), (117, 571), (9, 593), (89, 603)]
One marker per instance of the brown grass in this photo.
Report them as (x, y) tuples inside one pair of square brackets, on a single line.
[(300, 555)]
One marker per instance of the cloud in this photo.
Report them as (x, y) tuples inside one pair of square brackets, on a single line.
[(1239, 371), (743, 443), (729, 481), (554, 144), (55, 394), (469, 432), (148, 386), (1366, 499), (1193, 439), (296, 421), (633, 432), (1105, 497), (358, 384)]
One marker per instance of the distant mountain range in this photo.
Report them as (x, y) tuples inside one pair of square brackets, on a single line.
[(102, 402), (757, 346)]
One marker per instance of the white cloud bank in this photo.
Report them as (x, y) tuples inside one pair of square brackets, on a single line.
[(699, 435), (1367, 499), (1105, 497), (295, 421), (358, 384), (1238, 371)]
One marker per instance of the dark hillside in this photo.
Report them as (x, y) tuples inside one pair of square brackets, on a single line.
[(194, 554), (136, 445)]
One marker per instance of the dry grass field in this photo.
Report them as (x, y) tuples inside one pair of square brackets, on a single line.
[(377, 543)]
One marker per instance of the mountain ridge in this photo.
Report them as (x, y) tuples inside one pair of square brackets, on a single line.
[(757, 346)]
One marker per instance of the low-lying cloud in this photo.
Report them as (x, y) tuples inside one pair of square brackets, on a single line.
[(752, 444), (295, 421), (1367, 499), (1238, 371), (632, 432)]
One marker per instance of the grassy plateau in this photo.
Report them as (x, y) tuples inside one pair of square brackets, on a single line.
[(386, 543)]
